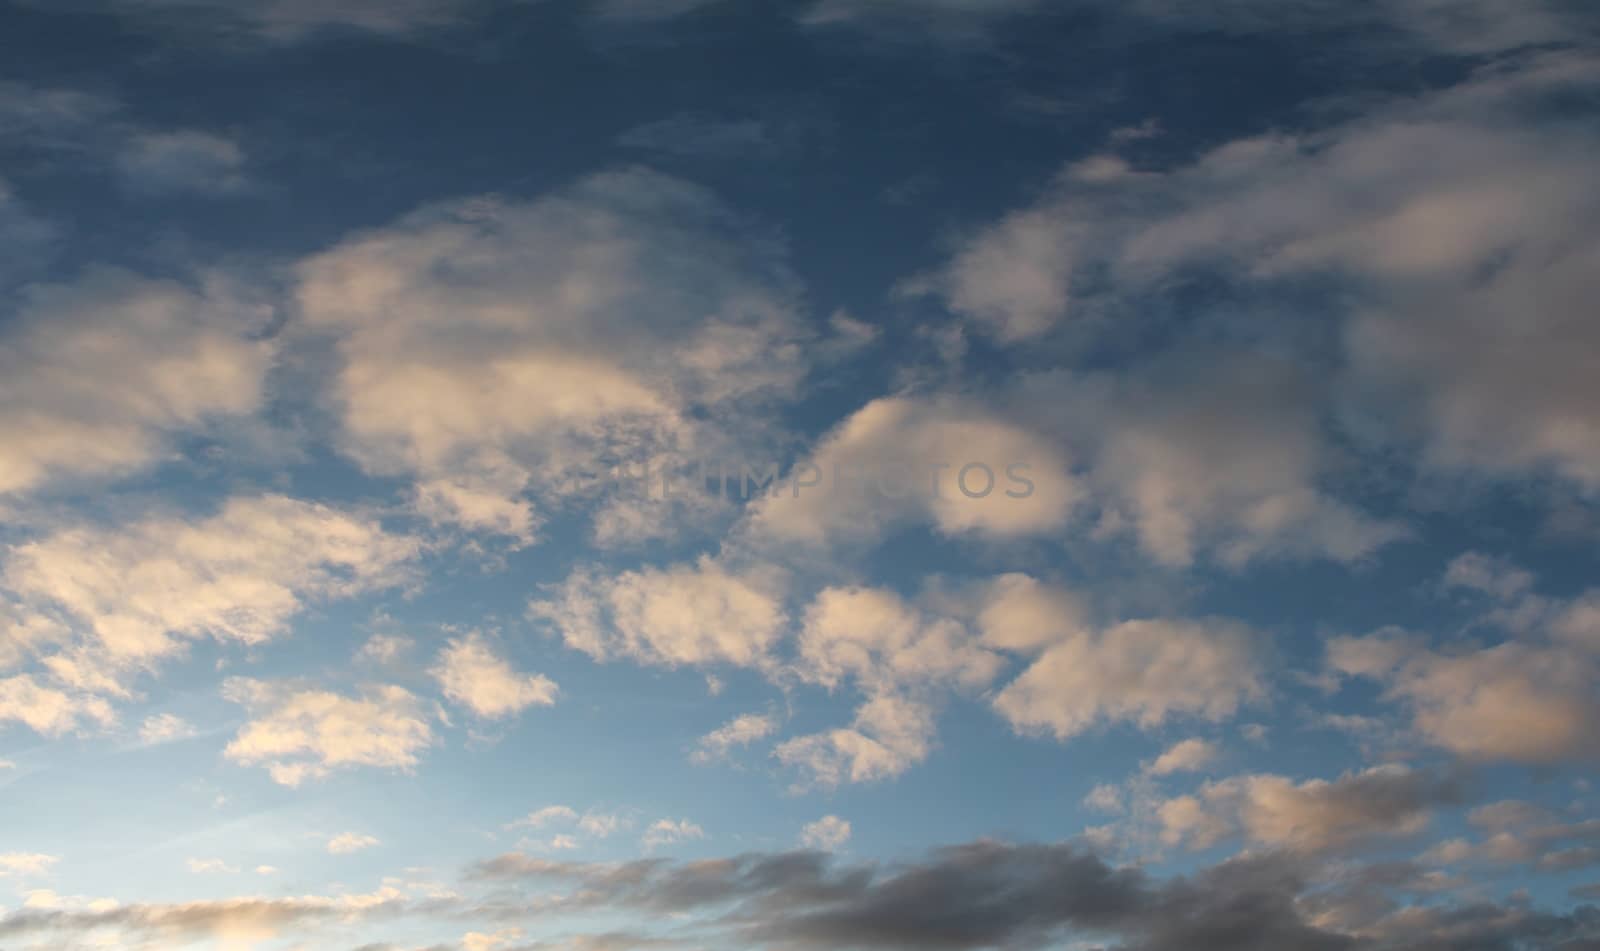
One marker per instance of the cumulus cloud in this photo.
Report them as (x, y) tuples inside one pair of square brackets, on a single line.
[(1469, 339), (165, 728), (471, 675), (299, 734), (129, 595), (49, 710), (959, 466), (888, 736), (1214, 451), (497, 352), (25, 864), (876, 639), (1522, 833), (1517, 701), (682, 615), (1144, 672), (742, 730), (347, 842), (96, 375), (1183, 757), (1378, 804), (829, 834), (539, 818), (670, 832)]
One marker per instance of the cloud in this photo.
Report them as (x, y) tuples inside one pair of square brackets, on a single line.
[(1522, 833), (498, 352), (25, 864), (888, 736), (873, 637), (300, 734), (472, 676), (25, 237), (1526, 699), (136, 593), (384, 648), (954, 464), (695, 135), (540, 818), (1516, 701), (165, 728), (740, 731), (1183, 757), (347, 842), (983, 894), (1379, 804), (950, 19), (699, 614), (829, 834), (210, 867), (241, 921), (290, 21), (1429, 360), (44, 113), (95, 376), (48, 710), (188, 161), (670, 832), (1214, 451), (1144, 672)]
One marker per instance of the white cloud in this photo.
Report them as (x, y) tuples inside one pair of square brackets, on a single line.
[(48, 710), (681, 615), (1517, 701), (1020, 613), (95, 376), (347, 842), (139, 591), (472, 676), (740, 731), (494, 350), (1378, 804), (384, 648), (874, 637), (957, 465), (601, 825), (25, 864), (828, 834), (1143, 672), (1221, 452), (482, 941), (210, 867), (1105, 797), (670, 832), (540, 818), (300, 734), (1183, 757), (888, 736), (165, 728), (1469, 340)]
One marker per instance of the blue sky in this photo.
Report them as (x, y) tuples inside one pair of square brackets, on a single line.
[(1182, 430)]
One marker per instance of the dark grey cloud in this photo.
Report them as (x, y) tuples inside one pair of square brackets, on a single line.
[(988, 894)]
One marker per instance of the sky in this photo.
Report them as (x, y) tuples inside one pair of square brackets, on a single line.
[(799, 475)]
